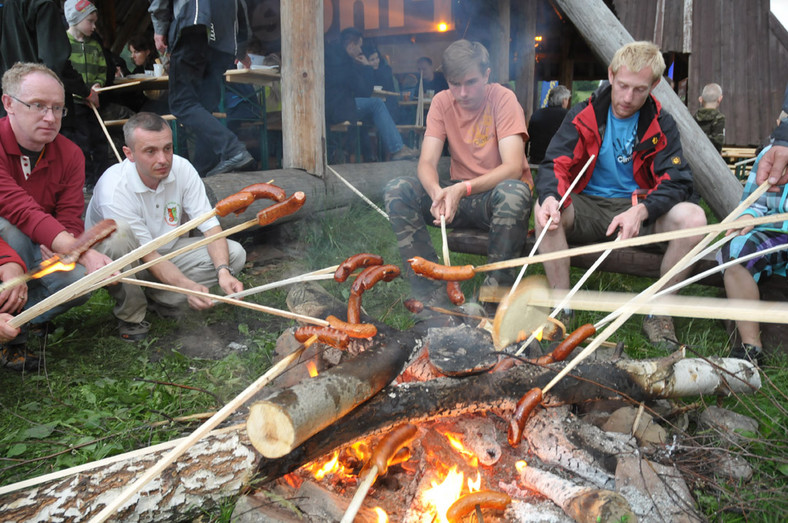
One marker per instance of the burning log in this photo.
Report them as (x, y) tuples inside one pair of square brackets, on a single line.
[(416, 402), (582, 504), (288, 417)]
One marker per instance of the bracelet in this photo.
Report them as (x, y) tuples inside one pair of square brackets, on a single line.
[(467, 188), (225, 266)]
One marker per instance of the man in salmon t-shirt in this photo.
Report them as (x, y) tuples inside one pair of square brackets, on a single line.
[(490, 185)]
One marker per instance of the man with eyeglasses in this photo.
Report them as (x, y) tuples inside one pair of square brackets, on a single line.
[(41, 200)]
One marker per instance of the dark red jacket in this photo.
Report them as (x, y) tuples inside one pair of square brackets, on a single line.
[(658, 165)]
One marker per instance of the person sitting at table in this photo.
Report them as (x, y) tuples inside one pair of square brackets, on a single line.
[(349, 93), (143, 53), (432, 80)]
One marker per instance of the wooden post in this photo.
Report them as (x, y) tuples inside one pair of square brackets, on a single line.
[(526, 56), (303, 86), (499, 52), (604, 34)]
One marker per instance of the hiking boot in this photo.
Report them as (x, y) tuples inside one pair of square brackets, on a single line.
[(406, 153), (133, 331), (660, 332), (747, 352), (18, 358)]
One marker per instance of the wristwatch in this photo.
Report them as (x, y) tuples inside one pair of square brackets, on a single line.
[(225, 266)]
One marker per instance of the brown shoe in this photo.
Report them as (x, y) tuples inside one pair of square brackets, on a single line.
[(406, 153), (660, 332)]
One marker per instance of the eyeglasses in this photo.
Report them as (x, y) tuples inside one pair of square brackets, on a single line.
[(58, 111)]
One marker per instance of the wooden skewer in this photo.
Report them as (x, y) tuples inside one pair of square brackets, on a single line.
[(633, 242), (87, 283), (226, 299), (117, 86), (563, 303), (326, 273), (201, 431), (445, 241), (106, 132), (550, 222), (630, 308), (358, 193)]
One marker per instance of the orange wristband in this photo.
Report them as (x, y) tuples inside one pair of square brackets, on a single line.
[(467, 188)]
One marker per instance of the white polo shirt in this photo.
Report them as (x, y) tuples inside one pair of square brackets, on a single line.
[(121, 195)]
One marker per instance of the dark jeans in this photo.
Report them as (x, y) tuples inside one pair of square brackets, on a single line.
[(196, 75)]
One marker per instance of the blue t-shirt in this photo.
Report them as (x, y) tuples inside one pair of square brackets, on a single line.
[(613, 176)]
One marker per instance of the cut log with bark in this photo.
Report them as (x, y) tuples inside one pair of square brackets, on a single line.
[(285, 418), (416, 402), (211, 471), (322, 194)]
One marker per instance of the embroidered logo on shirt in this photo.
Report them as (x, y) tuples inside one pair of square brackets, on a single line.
[(676, 160), (172, 214), (26, 166)]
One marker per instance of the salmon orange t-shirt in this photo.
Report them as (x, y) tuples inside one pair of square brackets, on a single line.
[(473, 136)]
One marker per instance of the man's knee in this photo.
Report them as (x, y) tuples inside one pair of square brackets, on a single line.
[(237, 255), (402, 189), (683, 215), (512, 198)]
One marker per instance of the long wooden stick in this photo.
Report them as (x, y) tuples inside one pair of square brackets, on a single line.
[(358, 193), (117, 86), (86, 284), (226, 299), (445, 241), (633, 242), (550, 222), (326, 273), (106, 132), (201, 431), (641, 298)]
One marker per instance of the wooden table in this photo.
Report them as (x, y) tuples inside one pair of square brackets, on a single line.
[(380, 93), (260, 78)]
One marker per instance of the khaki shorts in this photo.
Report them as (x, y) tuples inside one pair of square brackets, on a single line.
[(593, 215)]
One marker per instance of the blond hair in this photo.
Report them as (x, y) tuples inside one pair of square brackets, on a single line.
[(461, 57), (638, 55), (13, 78), (711, 93)]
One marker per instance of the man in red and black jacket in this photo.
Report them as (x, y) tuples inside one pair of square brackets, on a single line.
[(638, 182)]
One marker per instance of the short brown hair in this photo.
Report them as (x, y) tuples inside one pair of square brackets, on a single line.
[(637, 55), (145, 121), (13, 78), (461, 57)]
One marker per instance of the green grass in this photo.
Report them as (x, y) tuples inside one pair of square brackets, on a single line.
[(90, 402)]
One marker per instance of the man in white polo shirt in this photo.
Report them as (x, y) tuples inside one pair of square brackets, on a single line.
[(148, 195)]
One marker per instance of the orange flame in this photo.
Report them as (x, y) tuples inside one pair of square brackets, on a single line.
[(442, 495), (469, 456), (330, 467), (539, 333), (311, 367), (52, 265), (475, 486), (520, 466), (382, 516)]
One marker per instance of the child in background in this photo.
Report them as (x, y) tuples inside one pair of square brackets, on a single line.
[(741, 281), (709, 117)]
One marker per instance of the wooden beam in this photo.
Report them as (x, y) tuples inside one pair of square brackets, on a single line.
[(303, 86), (526, 53), (499, 52), (605, 34)]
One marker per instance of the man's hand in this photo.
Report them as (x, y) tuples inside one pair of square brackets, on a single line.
[(93, 260), (246, 61), (772, 166), (161, 43), (93, 97), (229, 283), (628, 222), (446, 202), (12, 300), (549, 209), (196, 302), (7, 332)]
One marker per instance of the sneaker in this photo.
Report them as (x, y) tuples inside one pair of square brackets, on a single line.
[(18, 358), (240, 161), (660, 332), (406, 153), (747, 352), (133, 331)]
